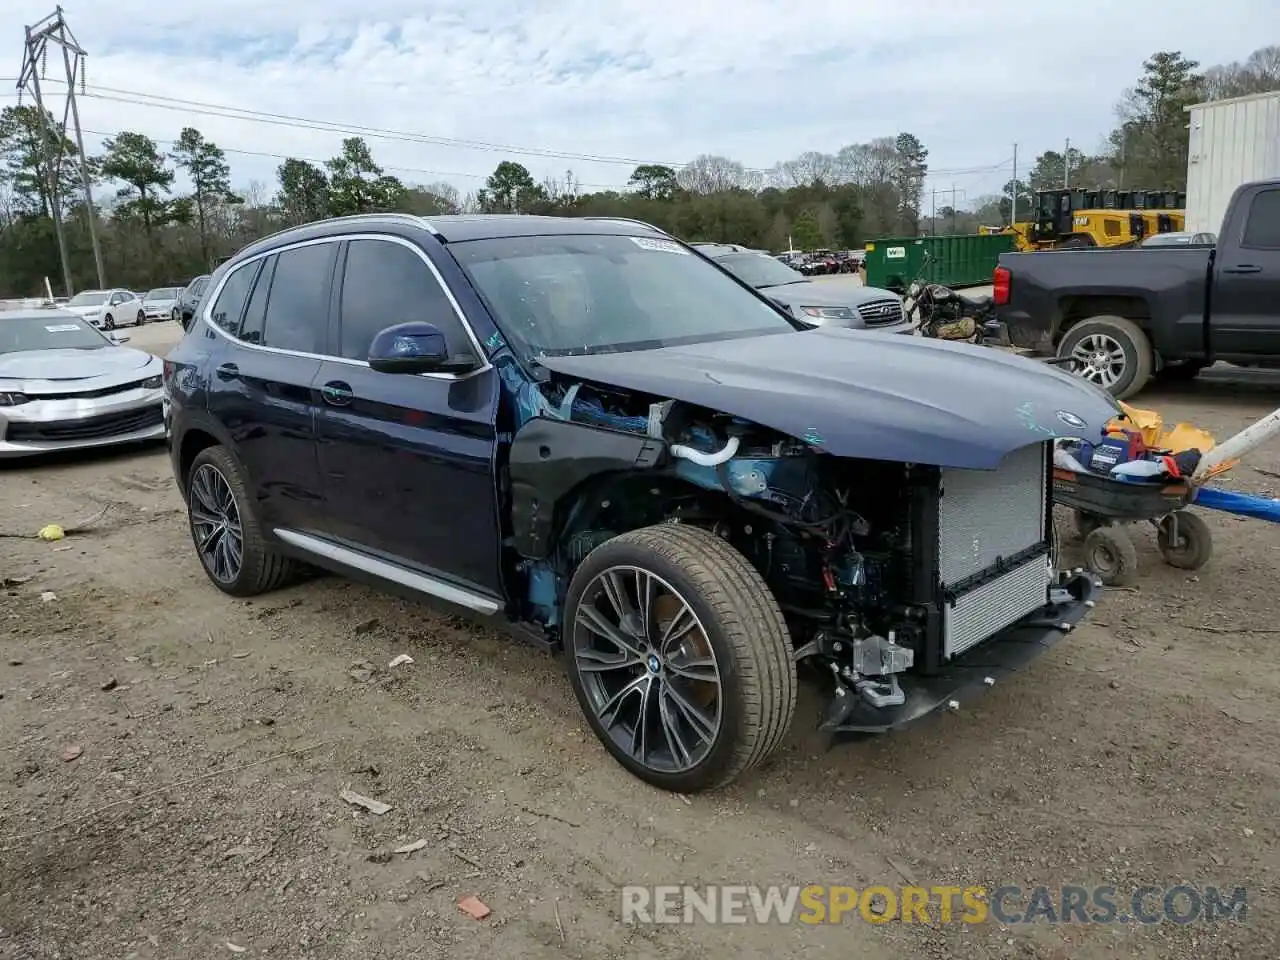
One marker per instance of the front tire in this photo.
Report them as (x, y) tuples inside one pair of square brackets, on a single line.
[(1113, 353), (108, 322), (227, 536), (1185, 540), (679, 657), (141, 318)]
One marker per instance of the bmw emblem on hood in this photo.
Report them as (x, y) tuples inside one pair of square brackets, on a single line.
[(1071, 420)]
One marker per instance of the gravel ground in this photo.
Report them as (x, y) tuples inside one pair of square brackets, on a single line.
[(171, 762)]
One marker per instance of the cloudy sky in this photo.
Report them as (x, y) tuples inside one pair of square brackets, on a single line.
[(455, 86)]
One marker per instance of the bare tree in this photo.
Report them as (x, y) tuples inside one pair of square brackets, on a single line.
[(1258, 74), (808, 168), (712, 174)]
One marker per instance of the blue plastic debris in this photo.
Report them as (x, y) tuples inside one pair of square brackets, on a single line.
[(1240, 504)]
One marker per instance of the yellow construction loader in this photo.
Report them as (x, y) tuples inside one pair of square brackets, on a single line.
[(1080, 219)]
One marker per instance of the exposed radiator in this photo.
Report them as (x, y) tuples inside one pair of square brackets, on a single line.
[(987, 609), (985, 516)]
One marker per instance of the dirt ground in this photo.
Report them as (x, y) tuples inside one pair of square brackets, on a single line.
[(171, 762)]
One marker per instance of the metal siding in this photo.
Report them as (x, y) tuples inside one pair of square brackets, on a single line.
[(1231, 142)]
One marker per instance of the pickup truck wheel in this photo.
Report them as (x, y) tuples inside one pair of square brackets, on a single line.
[(1112, 352), (679, 657), (227, 536)]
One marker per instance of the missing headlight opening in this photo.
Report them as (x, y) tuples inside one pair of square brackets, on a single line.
[(887, 573)]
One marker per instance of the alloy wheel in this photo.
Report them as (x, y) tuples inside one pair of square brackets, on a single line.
[(648, 668), (215, 523), (1099, 359)]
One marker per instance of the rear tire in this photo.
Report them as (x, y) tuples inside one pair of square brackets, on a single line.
[(141, 318), (730, 621), (1113, 353), (217, 496)]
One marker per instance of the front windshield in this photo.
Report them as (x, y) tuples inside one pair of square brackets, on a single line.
[(162, 293), (576, 294), (90, 298), (54, 332), (759, 270)]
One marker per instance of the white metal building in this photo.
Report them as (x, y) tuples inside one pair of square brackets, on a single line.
[(1232, 142)]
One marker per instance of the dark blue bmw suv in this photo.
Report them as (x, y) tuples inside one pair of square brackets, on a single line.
[(589, 431)]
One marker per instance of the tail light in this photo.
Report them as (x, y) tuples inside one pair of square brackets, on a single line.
[(169, 367), (1000, 281)]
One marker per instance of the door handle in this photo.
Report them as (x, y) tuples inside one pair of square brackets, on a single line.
[(336, 393), (228, 371), (1243, 268)]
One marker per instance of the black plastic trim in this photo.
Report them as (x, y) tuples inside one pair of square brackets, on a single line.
[(549, 458)]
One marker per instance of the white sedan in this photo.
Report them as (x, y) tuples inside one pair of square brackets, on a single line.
[(65, 385), (107, 309)]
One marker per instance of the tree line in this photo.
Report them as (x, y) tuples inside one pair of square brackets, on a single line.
[(150, 235)]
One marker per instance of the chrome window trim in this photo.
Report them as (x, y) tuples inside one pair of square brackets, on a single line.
[(207, 306)]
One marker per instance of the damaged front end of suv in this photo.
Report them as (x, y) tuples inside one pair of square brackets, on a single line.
[(914, 565), (699, 498)]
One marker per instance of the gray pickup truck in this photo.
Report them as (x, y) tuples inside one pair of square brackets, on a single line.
[(1119, 317)]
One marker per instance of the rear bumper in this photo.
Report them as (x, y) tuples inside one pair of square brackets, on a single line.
[(974, 672)]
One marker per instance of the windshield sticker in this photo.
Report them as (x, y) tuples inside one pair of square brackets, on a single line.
[(664, 246), (62, 328)]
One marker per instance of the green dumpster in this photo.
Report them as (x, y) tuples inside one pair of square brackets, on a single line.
[(957, 261)]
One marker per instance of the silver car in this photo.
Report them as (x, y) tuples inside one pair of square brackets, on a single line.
[(161, 303), (65, 385), (834, 303)]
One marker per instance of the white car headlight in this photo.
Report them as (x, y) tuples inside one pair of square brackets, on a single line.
[(153, 383)]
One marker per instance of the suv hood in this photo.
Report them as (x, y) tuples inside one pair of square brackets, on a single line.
[(852, 394)]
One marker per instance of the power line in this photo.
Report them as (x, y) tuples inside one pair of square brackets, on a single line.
[(223, 111), (415, 170)]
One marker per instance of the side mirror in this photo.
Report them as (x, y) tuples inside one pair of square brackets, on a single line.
[(117, 338), (415, 347)]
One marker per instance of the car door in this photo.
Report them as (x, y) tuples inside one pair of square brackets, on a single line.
[(408, 460), (1245, 302), (115, 304), (273, 314)]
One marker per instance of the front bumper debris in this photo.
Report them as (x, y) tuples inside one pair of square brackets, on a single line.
[(971, 674)]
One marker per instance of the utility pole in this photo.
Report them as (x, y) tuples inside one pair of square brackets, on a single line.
[(1066, 166), (1013, 206), (53, 29), (933, 216)]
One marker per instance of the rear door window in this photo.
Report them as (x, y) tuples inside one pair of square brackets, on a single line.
[(297, 315), (255, 314), (229, 306), (1262, 229)]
